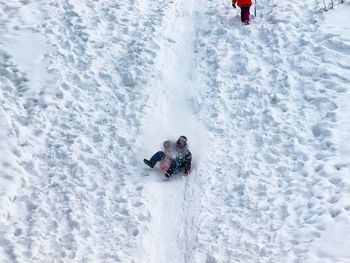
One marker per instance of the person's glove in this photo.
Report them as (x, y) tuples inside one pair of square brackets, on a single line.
[(233, 5), (187, 172), (166, 145)]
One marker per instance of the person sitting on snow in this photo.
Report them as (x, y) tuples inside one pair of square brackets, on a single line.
[(178, 155), (245, 9)]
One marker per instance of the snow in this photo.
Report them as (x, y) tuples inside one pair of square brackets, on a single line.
[(90, 88), (333, 244), (171, 112)]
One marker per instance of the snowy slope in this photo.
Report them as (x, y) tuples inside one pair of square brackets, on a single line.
[(276, 108), (90, 88)]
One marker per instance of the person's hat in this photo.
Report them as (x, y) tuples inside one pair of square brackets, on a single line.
[(182, 137), (182, 141)]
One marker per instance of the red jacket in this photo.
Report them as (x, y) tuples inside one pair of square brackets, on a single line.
[(242, 2)]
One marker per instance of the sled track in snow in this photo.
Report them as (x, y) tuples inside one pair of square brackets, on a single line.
[(171, 112)]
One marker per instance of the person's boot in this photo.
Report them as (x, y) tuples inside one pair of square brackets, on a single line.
[(148, 163), (168, 175)]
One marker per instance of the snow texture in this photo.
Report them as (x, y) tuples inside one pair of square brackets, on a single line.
[(90, 88)]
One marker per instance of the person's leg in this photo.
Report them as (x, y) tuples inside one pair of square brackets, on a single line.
[(248, 14), (242, 13), (174, 166), (245, 13), (156, 158)]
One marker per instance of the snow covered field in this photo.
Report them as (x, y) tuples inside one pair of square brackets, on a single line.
[(90, 88)]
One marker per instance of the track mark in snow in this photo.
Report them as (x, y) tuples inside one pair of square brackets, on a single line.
[(170, 113)]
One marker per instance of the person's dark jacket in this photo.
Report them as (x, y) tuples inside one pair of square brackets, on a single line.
[(182, 155)]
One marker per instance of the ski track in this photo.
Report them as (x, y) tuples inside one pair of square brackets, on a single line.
[(123, 76)]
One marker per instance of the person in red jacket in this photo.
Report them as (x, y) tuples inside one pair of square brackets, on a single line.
[(245, 9)]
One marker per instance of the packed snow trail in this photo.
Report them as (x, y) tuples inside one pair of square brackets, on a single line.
[(99, 85), (171, 113)]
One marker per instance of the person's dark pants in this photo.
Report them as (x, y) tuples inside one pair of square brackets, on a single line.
[(158, 156), (175, 166), (174, 163), (245, 13)]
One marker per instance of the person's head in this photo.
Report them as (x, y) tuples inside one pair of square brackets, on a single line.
[(181, 142)]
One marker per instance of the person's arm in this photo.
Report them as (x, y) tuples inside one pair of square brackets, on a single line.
[(188, 160), (167, 145)]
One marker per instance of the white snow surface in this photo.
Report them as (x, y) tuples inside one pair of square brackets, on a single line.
[(90, 88)]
